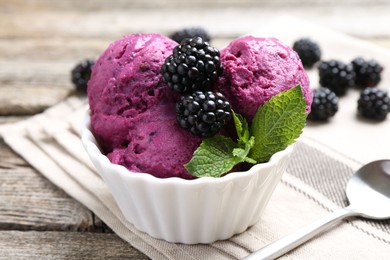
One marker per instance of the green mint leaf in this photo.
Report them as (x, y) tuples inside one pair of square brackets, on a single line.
[(213, 158), (242, 153), (239, 152), (217, 155), (248, 147), (278, 123), (242, 129)]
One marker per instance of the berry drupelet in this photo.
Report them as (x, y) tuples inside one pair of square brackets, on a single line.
[(374, 103), (324, 106), (203, 113), (81, 74), (368, 73), (337, 76), (180, 35), (194, 65), (308, 51)]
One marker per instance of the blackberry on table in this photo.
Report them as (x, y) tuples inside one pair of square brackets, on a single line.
[(308, 51), (324, 105), (368, 72), (81, 73), (191, 32), (374, 103), (203, 113), (194, 65), (337, 76)]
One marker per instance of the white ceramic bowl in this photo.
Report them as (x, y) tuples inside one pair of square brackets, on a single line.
[(189, 211)]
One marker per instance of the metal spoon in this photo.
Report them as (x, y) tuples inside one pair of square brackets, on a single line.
[(368, 192)]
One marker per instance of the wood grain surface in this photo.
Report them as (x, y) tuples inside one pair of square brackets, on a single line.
[(42, 40), (64, 245), (25, 193)]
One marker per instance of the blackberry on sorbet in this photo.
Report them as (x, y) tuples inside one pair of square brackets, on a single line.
[(368, 72), (190, 32), (374, 103), (337, 76), (324, 105), (203, 113), (308, 50), (81, 73), (194, 65)]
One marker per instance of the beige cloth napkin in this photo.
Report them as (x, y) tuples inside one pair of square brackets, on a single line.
[(311, 188)]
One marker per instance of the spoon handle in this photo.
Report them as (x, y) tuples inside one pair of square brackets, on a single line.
[(295, 239)]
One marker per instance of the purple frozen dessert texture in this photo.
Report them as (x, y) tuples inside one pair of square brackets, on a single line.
[(133, 110), (133, 113), (256, 69)]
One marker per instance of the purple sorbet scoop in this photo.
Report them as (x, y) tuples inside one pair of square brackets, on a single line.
[(256, 69)]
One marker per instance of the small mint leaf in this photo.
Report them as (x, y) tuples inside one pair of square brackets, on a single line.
[(213, 157), (238, 121), (239, 152), (278, 123), (248, 146), (242, 128), (243, 152), (217, 155), (251, 142)]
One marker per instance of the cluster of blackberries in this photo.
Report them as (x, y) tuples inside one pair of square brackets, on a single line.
[(339, 76), (81, 73), (192, 70), (336, 77)]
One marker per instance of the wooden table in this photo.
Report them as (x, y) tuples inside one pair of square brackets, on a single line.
[(41, 41)]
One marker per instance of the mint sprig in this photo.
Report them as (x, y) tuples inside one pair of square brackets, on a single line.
[(245, 140), (217, 155), (278, 123), (275, 126)]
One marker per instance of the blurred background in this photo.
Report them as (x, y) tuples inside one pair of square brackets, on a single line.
[(41, 40)]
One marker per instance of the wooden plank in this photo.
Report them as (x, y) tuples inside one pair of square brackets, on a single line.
[(220, 22), (28, 100), (30, 202), (63, 55), (29, 87), (65, 245), (165, 4)]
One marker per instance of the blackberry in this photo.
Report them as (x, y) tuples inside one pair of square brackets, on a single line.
[(325, 104), (308, 51), (337, 76), (203, 113), (194, 65), (81, 74), (180, 35), (368, 73), (374, 103)]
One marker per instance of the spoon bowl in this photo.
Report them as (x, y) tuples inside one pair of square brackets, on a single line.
[(368, 192)]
